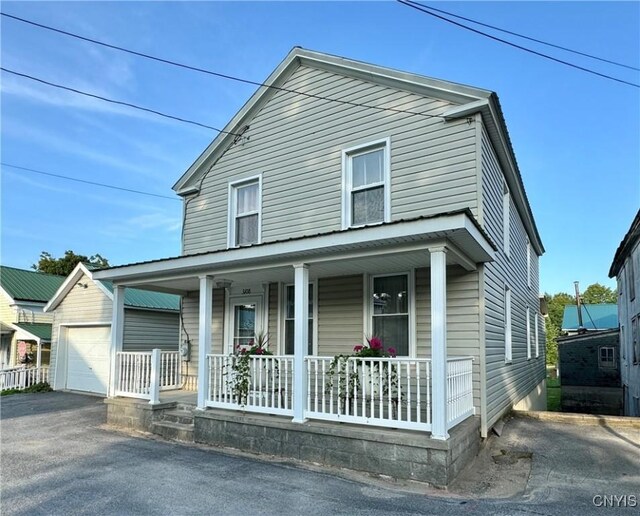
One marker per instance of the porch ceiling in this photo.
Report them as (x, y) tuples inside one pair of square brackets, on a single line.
[(384, 248)]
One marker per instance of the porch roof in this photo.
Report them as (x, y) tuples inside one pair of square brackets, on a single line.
[(457, 230)]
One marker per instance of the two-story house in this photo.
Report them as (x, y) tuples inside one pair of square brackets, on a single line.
[(626, 268), (345, 201), (25, 330)]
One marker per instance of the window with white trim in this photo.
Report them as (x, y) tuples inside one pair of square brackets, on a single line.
[(528, 263), (508, 354), (366, 184), (537, 335), (390, 311), (635, 340), (289, 319), (607, 357), (528, 333), (631, 279), (245, 207), (506, 209)]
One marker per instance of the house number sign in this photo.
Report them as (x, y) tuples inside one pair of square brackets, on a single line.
[(246, 291)]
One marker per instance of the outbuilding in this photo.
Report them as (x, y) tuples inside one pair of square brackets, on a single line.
[(81, 329)]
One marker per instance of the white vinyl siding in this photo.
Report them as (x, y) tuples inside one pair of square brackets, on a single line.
[(506, 221), (507, 383), (537, 334), (296, 143)]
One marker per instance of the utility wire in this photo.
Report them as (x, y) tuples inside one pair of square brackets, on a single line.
[(525, 37), (495, 38), (88, 182), (212, 72), (112, 101)]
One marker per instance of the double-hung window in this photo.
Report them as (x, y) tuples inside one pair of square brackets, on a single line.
[(366, 184), (289, 320), (245, 206), (607, 357), (506, 222), (508, 354), (390, 311)]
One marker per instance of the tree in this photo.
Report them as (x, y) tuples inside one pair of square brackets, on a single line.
[(64, 265), (598, 293), (555, 307)]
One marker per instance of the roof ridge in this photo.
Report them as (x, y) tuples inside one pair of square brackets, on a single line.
[(32, 271)]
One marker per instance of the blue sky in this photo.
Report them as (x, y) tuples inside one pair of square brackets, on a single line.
[(576, 136)]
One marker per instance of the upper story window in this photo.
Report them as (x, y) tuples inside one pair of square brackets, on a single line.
[(631, 279), (528, 263), (508, 353), (245, 212), (366, 184), (506, 216), (529, 336)]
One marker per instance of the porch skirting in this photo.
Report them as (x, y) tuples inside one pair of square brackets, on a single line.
[(401, 454)]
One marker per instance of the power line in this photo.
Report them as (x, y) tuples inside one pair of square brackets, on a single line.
[(591, 56), (88, 182), (112, 101), (213, 72), (546, 56)]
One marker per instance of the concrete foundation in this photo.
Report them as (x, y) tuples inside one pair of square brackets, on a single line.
[(535, 400), (396, 453), (401, 454)]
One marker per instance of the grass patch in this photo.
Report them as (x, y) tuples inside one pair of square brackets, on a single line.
[(37, 387), (553, 394)]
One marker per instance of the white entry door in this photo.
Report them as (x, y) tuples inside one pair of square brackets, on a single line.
[(88, 358), (244, 321)]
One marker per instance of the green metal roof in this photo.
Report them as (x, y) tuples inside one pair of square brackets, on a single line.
[(24, 285), (134, 297), (40, 330), (602, 316)]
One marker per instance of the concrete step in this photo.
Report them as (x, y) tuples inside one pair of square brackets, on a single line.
[(178, 416), (175, 431)]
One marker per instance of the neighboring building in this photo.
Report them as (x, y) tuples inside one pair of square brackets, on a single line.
[(410, 223), (626, 268), (24, 328), (590, 372), (597, 317), (81, 336)]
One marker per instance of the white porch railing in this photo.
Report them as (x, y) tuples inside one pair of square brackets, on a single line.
[(21, 377), (141, 374), (255, 383), (459, 390), (389, 392)]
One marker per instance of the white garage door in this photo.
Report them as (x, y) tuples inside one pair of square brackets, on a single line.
[(88, 359)]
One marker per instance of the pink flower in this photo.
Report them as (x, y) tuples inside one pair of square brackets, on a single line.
[(391, 351), (259, 351), (375, 343), (358, 348)]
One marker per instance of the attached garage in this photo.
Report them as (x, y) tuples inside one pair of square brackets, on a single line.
[(88, 358), (81, 332)]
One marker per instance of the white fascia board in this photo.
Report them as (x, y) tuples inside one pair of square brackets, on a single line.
[(505, 153), (219, 143), (290, 250), (421, 85), (6, 294), (71, 281)]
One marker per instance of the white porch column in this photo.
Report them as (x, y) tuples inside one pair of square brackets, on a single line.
[(117, 334), (301, 340), (204, 338), (154, 385), (439, 343), (39, 354)]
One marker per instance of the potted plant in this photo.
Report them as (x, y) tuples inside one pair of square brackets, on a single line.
[(352, 375), (243, 367)]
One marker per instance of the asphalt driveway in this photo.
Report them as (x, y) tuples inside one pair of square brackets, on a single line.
[(57, 457)]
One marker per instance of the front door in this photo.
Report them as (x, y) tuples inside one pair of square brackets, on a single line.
[(245, 321)]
